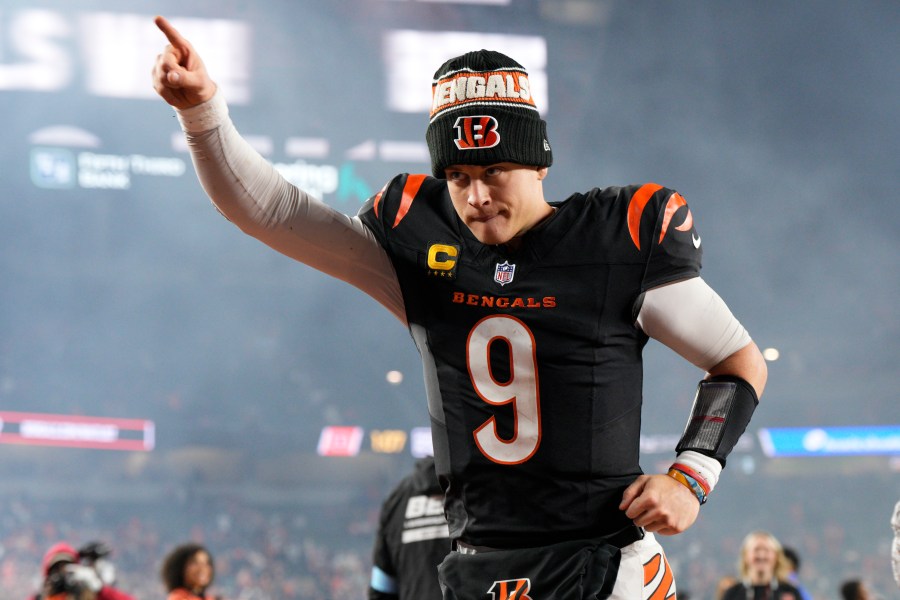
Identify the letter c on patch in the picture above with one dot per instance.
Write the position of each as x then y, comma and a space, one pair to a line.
442, 257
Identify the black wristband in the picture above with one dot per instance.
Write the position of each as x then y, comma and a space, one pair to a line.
721, 412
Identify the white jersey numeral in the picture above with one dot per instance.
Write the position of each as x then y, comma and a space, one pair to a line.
521, 390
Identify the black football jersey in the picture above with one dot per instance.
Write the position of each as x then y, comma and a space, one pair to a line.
532, 360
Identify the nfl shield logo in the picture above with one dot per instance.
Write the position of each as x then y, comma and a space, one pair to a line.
504, 272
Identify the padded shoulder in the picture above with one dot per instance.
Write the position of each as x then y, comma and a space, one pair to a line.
391, 205
660, 222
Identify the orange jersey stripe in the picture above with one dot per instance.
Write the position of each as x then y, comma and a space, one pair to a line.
636, 209
377, 202
413, 183
378, 199
675, 202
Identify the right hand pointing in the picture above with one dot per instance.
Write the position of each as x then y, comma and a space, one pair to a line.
179, 75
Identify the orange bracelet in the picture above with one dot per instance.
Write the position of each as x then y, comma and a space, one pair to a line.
690, 483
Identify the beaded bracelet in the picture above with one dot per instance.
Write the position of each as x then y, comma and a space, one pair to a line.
696, 487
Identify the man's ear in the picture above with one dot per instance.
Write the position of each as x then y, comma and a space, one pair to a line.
542, 172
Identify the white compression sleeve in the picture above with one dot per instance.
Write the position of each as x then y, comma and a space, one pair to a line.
252, 194
691, 319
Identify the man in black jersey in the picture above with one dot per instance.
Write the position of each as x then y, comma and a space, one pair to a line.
530, 317
412, 538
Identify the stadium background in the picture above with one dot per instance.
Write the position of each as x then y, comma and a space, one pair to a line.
163, 376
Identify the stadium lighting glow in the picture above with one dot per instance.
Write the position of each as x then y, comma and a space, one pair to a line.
411, 56
771, 354
394, 377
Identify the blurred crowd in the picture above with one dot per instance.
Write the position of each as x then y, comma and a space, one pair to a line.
292, 552
259, 554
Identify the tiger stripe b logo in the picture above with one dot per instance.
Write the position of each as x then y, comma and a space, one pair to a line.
476, 132
511, 589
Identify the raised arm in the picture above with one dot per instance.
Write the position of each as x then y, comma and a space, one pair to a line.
251, 193
179, 75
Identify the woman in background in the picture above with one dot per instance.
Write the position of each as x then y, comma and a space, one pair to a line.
187, 572
763, 569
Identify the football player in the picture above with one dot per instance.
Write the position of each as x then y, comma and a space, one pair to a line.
412, 538
530, 316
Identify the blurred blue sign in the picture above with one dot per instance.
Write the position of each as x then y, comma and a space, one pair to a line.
830, 441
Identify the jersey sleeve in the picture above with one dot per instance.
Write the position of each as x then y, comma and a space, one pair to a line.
661, 223
385, 211
372, 212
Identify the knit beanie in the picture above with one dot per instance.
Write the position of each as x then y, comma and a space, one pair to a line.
482, 113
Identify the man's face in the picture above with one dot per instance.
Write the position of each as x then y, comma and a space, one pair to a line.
498, 202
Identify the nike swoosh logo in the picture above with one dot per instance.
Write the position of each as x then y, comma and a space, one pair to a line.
696, 239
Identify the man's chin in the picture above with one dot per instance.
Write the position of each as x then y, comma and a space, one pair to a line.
488, 235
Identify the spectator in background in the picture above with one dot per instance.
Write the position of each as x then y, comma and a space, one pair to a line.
187, 572
854, 589
65, 577
53, 567
55, 559
895, 547
763, 570
793, 577
95, 555
723, 585
412, 539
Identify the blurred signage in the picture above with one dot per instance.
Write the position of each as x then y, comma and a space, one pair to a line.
830, 441
388, 441
420, 442
76, 431
61, 168
340, 441
410, 57
347, 440
664, 443
110, 54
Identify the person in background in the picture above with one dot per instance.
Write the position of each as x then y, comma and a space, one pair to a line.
763, 571
854, 589
65, 576
95, 554
793, 559
188, 572
723, 585
57, 561
895, 546
412, 538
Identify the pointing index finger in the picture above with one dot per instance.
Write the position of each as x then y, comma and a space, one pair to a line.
171, 33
